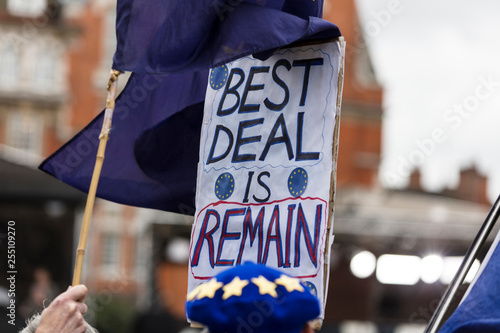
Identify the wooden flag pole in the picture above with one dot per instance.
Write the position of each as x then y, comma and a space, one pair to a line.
89, 206
450, 293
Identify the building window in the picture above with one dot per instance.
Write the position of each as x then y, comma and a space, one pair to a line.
45, 69
26, 7
9, 65
110, 252
24, 132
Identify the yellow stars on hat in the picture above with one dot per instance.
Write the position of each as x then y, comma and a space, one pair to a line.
290, 283
192, 295
265, 286
234, 288
208, 289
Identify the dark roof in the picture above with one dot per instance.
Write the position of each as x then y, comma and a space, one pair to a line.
19, 182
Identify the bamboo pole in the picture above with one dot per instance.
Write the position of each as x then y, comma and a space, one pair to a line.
89, 206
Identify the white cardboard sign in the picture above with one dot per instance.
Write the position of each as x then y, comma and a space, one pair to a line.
266, 162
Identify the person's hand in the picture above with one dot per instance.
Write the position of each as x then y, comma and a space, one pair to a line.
65, 313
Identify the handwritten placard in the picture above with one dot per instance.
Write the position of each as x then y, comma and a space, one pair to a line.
266, 163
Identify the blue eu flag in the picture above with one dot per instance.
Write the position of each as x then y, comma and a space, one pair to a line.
152, 155
480, 308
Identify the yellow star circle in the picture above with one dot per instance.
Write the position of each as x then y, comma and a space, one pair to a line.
209, 288
234, 288
265, 286
289, 283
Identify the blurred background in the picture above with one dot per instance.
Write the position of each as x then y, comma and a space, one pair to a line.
416, 168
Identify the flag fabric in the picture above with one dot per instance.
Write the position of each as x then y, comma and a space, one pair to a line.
479, 310
186, 35
152, 155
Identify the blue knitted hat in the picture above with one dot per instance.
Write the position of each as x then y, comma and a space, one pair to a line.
252, 298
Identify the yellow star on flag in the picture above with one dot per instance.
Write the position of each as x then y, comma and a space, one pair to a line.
234, 288
265, 286
289, 283
209, 288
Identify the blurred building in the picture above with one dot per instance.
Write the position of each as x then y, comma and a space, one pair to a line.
35, 49
394, 251
55, 58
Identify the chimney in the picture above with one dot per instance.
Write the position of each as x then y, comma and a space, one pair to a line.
472, 186
415, 181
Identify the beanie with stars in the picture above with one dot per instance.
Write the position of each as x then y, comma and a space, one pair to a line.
252, 298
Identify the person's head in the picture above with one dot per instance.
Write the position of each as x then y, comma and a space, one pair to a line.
34, 321
42, 275
252, 298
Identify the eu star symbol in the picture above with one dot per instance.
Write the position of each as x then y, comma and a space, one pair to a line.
265, 286
234, 288
297, 182
224, 186
289, 283
218, 77
209, 288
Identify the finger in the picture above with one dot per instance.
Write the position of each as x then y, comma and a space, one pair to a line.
77, 322
83, 322
82, 328
82, 307
77, 293
72, 307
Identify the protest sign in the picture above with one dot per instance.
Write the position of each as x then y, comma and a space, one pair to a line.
267, 165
